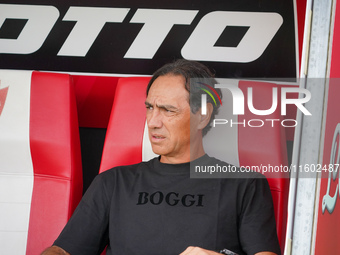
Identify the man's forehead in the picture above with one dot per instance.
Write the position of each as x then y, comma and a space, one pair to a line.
165, 100
168, 86
174, 99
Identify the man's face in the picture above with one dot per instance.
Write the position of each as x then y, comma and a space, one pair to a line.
168, 117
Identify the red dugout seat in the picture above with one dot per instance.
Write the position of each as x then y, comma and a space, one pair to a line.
127, 139
40, 159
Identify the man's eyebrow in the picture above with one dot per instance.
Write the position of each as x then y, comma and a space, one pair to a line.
166, 106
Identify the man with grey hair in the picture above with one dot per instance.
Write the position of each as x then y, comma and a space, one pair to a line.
155, 207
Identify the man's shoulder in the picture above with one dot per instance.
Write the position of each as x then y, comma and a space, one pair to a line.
110, 178
128, 169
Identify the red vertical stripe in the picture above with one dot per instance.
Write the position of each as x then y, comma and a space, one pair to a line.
3, 95
55, 150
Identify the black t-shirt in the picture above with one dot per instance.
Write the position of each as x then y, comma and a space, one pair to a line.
154, 208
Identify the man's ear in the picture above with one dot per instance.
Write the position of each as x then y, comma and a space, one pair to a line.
204, 119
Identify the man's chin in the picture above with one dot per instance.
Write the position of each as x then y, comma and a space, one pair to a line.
156, 149
158, 152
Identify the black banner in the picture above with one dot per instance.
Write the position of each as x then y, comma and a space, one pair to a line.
238, 39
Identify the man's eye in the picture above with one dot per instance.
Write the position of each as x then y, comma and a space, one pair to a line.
170, 111
149, 107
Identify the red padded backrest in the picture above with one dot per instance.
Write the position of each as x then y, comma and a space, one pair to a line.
266, 146
126, 141
124, 136
49, 185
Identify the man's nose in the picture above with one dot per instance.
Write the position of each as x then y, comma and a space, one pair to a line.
154, 119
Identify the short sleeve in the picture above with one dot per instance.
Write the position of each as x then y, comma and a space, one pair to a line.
87, 230
257, 229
